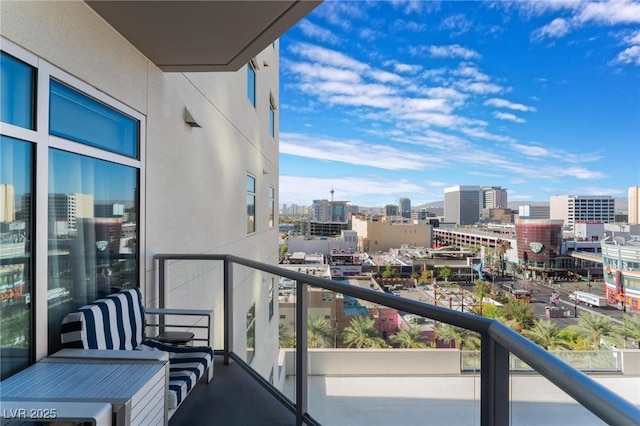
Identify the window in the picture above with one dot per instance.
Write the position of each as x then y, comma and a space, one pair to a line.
251, 82
272, 206
272, 116
251, 204
16, 269
79, 118
18, 92
282, 316
92, 233
92, 203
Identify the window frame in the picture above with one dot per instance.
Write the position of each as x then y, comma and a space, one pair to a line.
43, 142
252, 82
272, 116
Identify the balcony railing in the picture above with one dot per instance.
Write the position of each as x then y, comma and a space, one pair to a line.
497, 343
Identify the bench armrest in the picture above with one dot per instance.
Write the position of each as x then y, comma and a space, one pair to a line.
162, 325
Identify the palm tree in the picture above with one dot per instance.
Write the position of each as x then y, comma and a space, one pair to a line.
595, 328
285, 339
547, 335
318, 334
521, 312
410, 337
361, 333
631, 328
461, 337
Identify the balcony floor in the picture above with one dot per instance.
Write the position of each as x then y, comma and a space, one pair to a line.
232, 398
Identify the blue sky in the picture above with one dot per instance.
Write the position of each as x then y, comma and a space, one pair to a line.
387, 99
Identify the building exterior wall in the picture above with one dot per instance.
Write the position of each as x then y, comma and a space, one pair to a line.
462, 204
382, 235
621, 271
539, 241
404, 207
533, 212
572, 208
494, 197
182, 169
634, 204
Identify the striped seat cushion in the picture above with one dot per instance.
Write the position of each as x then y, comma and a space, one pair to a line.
187, 365
115, 322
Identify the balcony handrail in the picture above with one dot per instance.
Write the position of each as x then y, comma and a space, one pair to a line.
497, 341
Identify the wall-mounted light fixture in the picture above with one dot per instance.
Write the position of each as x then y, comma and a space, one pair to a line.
188, 118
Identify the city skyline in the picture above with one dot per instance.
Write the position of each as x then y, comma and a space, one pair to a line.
397, 99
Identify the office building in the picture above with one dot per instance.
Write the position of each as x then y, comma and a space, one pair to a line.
391, 210
330, 211
462, 204
582, 208
529, 211
7, 203
404, 207
494, 197
385, 233
634, 204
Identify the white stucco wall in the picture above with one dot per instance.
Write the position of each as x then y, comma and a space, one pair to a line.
193, 180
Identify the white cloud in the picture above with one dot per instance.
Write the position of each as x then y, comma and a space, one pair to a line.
610, 13
458, 24
557, 28
401, 24
407, 68
355, 152
452, 51
356, 189
483, 134
508, 117
317, 32
503, 103
328, 57
529, 150
580, 173
481, 87
470, 71
630, 55
311, 72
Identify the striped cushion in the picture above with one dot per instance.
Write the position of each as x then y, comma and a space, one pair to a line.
115, 322
187, 365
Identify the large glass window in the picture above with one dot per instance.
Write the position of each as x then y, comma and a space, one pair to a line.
251, 204
16, 233
79, 118
251, 83
17, 96
93, 214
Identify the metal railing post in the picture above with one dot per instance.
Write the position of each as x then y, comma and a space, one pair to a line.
228, 308
494, 383
161, 292
302, 360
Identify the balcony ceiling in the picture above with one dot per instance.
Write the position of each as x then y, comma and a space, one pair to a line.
188, 36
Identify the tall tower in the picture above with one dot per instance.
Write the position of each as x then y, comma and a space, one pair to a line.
462, 204
404, 207
331, 205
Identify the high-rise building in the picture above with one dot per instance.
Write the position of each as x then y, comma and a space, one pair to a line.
582, 208
462, 204
634, 204
494, 197
330, 211
7, 203
528, 211
391, 210
404, 207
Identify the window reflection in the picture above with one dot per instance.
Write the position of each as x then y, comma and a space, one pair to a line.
93, 209
15, 255
251, 333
